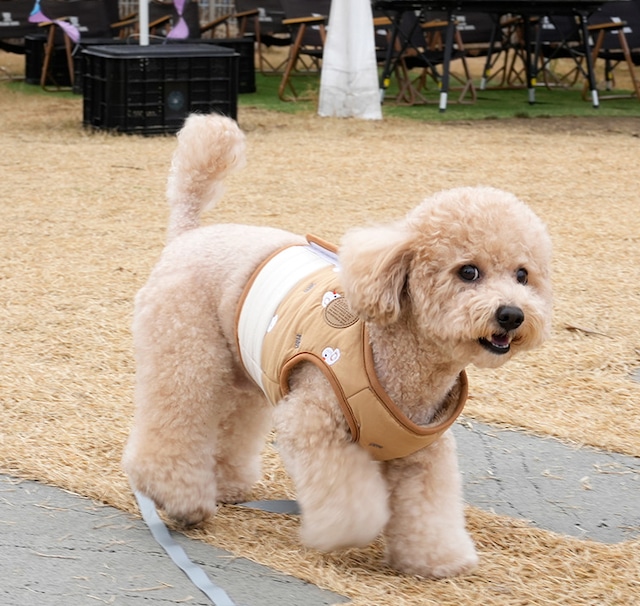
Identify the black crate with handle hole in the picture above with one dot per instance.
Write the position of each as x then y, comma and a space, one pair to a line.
152, 89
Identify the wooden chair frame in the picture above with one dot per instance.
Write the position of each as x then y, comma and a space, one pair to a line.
411, 88
601, 30
297, 53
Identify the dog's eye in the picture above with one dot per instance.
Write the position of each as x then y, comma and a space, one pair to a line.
469, 273
522, 275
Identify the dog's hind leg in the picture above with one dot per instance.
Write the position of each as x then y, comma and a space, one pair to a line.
341, 490
184, 394
241, 441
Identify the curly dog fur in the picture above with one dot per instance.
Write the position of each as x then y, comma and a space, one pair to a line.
463, 279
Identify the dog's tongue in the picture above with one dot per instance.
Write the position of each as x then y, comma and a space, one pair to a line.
500, 340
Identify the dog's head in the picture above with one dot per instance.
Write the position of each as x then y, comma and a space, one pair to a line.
469, 269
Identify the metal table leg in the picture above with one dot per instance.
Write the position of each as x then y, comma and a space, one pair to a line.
589, 59
385, 76
448, 51
529, 67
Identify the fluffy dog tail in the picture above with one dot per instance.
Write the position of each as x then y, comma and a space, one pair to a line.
210, 147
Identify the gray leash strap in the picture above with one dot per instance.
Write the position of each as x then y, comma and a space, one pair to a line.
160, 533
274, 506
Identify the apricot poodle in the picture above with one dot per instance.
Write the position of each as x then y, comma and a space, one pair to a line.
357, 357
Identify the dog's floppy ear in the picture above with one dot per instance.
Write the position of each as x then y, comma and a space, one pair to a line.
374, 267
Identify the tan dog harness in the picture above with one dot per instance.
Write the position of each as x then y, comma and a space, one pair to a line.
293, 310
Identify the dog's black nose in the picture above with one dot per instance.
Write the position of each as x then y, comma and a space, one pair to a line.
509, 317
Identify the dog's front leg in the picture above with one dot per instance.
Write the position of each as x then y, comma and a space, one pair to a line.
426, 533
342, 493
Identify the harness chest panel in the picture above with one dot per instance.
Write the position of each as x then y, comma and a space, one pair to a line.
294, 310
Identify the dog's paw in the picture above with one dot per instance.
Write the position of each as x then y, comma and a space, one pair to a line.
333, 526
437, 563
189, 520
231, 496
184, 515
457, 567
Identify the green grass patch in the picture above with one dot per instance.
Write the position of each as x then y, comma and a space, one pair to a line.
491, 104
20, 86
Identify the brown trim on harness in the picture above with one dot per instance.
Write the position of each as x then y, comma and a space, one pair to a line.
322, 243
398, 415
375, 422
419, 436
333, 380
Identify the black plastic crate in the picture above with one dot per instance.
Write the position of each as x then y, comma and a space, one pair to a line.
79, 68
245, 47
151, 89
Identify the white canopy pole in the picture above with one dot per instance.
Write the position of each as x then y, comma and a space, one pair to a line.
349, 79
143, 22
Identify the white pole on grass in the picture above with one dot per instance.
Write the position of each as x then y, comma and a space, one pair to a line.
143, 22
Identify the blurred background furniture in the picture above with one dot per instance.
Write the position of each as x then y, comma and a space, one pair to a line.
528, 11
420, 46
263, 19
617, 31
90, 20
307, 21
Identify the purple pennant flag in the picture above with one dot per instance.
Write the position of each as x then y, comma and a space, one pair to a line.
37, 16
181, 30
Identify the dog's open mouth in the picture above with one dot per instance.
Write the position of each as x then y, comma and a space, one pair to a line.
498, 344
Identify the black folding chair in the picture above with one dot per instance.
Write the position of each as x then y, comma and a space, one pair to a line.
499, 39
263, 19
617, 31
559, 37
306, 20
420, 45
91, 19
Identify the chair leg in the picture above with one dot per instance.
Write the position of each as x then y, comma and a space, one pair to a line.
48, 54
629, 61
259, 45
48, 57
468, 87
408, 89
608, 74
265, 66
609, 69
467, 83
294, 52
69, 52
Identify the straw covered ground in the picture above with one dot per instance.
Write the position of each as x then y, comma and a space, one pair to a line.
83, 218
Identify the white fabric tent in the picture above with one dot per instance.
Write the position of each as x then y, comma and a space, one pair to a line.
349, 79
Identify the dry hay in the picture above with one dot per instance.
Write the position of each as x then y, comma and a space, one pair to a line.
83, 222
